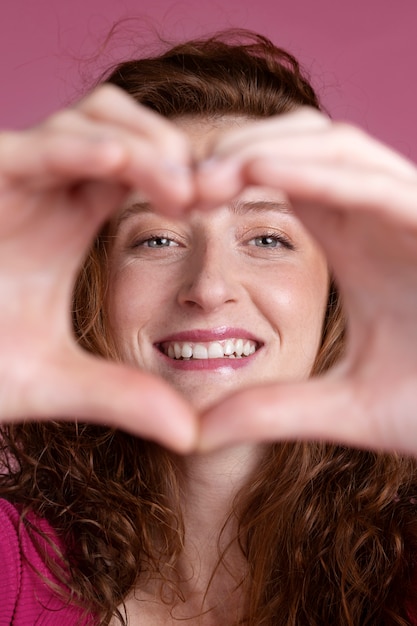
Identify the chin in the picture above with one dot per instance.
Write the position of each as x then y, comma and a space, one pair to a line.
203, 399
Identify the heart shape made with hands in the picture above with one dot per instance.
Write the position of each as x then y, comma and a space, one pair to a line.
62, 180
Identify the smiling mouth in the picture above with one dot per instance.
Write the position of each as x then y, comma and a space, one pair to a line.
228, 348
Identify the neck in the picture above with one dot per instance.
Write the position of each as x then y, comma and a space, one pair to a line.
211, 483
208, 587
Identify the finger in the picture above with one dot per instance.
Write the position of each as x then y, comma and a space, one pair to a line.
112, 106
335, 186
52, 244
219, 177
107, 134
337, 145
248, 133
324, 410
316, 141
39, 160
170, 151
85, 388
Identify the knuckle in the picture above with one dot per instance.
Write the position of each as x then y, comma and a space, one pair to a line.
174, 142
12, 145
344, 141
345, 131
59, 120
313, 114
8, 138
308, 117
102, 95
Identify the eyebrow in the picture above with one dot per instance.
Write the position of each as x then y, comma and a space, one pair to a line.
239, 207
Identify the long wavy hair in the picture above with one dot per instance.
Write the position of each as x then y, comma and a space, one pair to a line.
329, 533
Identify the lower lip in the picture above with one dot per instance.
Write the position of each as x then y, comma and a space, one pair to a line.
208, 364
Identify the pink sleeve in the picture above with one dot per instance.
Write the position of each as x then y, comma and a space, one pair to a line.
25, 598
10, 567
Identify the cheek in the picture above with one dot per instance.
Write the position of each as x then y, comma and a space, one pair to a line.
134, 298
296, 305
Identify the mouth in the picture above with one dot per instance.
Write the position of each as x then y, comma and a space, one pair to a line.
231, 348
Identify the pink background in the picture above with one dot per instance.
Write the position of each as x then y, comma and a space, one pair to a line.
361, 53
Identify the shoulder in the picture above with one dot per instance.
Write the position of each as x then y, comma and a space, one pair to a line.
27, 595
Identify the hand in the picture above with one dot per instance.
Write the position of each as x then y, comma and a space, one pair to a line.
359, 200
58, 183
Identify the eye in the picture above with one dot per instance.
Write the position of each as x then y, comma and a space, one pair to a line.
271, 241
156, 241
266, 242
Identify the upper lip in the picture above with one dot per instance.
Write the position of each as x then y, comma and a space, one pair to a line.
210, 334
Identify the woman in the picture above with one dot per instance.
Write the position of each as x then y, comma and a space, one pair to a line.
236, 294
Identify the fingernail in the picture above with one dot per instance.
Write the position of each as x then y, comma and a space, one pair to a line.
220, 168
207, 164
176, 169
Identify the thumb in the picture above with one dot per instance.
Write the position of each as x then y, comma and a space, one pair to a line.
318, 409
93, 390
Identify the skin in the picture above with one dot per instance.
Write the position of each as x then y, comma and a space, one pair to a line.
217, 272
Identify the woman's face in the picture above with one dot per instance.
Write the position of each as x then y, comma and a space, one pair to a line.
222, 300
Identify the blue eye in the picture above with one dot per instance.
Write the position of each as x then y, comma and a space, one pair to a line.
266, 242
158, 242
271, 242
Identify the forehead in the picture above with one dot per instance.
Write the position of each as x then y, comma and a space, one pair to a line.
203, 131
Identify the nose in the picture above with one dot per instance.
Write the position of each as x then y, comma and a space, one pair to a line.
209, 281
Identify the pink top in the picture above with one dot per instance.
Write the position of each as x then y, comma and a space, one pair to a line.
25, 599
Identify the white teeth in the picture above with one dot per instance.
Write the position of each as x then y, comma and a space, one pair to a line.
230, 348
200, 351
215, 351
187, 351
246, 348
